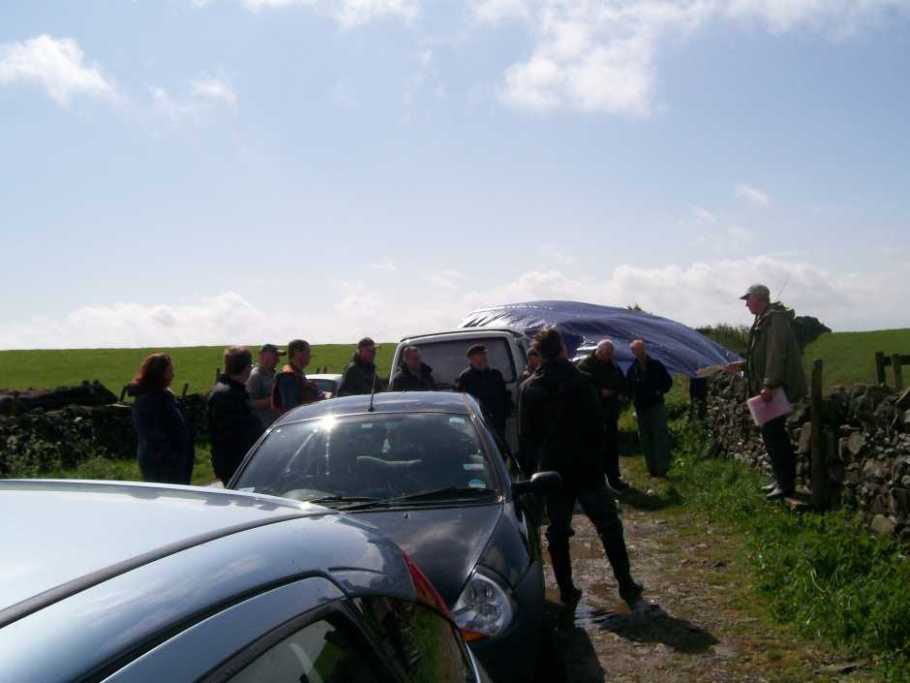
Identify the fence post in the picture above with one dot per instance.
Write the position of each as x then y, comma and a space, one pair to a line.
819, 464
898, 372
880, 367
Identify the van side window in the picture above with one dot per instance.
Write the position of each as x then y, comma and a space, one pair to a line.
447, 358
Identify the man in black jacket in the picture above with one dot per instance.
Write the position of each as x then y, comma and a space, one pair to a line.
233, 426
488, 387
610, 385
360, 375
413, 374
562, 430
648, 382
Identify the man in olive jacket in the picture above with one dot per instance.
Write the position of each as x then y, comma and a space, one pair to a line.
774, 363
610, 383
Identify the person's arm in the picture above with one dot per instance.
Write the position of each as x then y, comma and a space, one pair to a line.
347, 386
779, 332
666, 379
260, 398
288, 391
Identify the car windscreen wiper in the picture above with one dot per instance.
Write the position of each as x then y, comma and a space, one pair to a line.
448, 492
324, 500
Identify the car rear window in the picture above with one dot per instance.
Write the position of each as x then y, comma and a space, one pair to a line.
447, 358
375, 456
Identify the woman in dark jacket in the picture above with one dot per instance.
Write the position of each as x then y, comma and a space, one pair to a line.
165, 452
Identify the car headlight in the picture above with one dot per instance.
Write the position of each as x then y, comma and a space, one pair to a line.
484, 608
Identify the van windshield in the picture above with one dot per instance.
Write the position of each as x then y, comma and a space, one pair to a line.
447, 358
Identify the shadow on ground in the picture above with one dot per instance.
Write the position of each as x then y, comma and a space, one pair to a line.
569, 654
648, 500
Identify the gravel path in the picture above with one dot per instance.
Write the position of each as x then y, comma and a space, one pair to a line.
703, 621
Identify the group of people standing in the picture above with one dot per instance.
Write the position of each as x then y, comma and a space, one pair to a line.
568, 416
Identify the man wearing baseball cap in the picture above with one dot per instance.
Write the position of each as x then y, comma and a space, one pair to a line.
259, 385
360, 375
774, 363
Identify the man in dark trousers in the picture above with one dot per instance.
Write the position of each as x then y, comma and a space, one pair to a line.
648, 382
774, 363
562, 429
610, 384
360, 375
488, 387
233, 425
291, 387
413, 374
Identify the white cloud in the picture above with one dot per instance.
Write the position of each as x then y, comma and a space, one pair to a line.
599, 55
448, 279
347, 13
384, 266
704, 216
56, 64
704, 292
753, 195
202, 96
214, 90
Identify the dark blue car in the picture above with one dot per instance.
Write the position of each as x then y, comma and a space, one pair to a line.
132, 582
425, 469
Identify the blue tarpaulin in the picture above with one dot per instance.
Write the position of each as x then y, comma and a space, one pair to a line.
680, 348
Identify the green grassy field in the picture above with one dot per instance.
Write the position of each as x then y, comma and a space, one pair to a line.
114, 367
849, 357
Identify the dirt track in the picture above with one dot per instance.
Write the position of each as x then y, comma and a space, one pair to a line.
703, 620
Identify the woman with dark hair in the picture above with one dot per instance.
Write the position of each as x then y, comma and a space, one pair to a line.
165, 451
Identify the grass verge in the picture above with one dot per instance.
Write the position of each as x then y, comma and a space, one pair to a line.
824, 574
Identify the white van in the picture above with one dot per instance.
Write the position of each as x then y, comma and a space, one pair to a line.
444, 352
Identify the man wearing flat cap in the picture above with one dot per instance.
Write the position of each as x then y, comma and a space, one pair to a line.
360, 375
488, 387
774, 363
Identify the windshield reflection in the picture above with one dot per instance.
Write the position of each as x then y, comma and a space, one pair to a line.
360, 458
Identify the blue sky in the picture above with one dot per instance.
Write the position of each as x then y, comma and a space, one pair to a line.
181, 172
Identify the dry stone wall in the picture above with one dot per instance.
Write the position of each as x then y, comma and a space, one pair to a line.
865, 438
37, 441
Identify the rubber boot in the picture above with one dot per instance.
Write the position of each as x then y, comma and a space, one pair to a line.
562, 569
618, 556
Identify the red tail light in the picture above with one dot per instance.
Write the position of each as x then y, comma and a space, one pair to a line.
426, 591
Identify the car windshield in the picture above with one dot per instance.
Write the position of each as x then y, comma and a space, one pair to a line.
448, 359
328, 386
358, 459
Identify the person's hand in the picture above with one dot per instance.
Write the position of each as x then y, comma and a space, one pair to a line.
766, 394
732, 368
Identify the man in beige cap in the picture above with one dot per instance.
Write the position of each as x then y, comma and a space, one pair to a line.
774, 363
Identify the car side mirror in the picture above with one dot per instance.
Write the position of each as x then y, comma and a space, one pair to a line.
540, 483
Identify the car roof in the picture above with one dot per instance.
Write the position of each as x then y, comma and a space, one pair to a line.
71, 535
92, 570
325, 375
480, 332
385, 402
